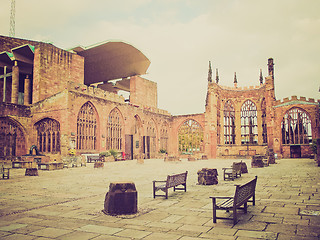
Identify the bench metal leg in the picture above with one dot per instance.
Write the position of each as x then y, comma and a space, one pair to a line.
214, 214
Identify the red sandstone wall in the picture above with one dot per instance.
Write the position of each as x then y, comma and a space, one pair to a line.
143, 92
53, 68
313, 112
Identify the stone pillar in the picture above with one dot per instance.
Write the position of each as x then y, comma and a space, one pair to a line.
27, 83
15, 83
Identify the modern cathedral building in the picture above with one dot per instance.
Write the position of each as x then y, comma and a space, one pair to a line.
62, 100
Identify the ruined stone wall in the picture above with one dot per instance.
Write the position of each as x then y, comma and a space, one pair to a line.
143, 92
281, 107
53, 68
216, 99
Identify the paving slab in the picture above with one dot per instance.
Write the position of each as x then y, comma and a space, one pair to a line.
67, 204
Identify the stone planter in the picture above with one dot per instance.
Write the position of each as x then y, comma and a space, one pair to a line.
122, 198
207, 176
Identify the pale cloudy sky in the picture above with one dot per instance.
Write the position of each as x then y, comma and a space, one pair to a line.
180, 37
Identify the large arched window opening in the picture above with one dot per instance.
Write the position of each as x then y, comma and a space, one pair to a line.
114, 130
296, 127
48, 135
264, 121
229, 123
249, 125
190, 136
12, 139
87, 128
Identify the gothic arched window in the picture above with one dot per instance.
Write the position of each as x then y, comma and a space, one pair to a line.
48, 135
12, 140
114, 130
229, 123
296, 127
264, 121
249, 125
190, 136
87, 127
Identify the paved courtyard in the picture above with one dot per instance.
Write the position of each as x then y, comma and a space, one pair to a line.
67, 204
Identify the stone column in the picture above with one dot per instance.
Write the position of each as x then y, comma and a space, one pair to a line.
27, 82
15, 83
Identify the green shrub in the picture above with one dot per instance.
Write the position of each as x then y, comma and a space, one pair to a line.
104, 154
114, 153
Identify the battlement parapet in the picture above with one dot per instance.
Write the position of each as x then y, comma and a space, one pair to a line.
296, 99
241, 88
96, 92
100, 93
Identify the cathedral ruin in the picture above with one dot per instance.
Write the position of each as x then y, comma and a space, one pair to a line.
65, 100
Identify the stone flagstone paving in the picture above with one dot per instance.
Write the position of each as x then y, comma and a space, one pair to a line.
67, 203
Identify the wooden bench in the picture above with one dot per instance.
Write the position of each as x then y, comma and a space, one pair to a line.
242, 196
5, 172
93, 159
172, 181
232, 172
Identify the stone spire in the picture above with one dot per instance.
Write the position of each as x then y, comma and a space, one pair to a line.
235, 80
210, 73
261, 78
217, 76
270, 67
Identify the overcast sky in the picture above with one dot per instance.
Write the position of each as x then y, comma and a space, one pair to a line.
180, 37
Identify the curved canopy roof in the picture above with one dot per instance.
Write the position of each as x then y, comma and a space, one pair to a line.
112, 60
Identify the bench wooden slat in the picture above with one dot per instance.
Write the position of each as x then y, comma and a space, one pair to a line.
173, 181
242, 196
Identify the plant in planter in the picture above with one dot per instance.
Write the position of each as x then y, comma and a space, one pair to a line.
103, 156
114, 153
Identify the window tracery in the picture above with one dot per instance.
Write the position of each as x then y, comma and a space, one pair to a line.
190, 136
87, 128
264, 121
12, 140
48, 135
249, 125
229, 123
296, 127
114, 130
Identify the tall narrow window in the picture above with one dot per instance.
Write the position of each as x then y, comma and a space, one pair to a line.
249, 126
114, 130
48, 135
264, 121
296, 127
218, 122
87, 128
151, 132
229, 123
190, 136
12, 140
164, 137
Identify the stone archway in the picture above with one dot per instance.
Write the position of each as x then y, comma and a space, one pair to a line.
12, 139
